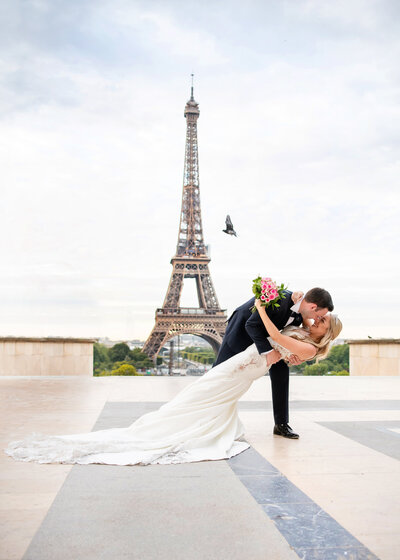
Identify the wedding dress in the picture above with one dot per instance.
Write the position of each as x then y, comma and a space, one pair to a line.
200, 423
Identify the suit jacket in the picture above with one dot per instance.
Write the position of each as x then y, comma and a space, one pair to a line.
245, 327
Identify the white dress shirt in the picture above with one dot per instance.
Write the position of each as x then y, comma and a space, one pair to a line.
295, 308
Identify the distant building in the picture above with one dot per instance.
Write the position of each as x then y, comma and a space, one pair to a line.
192, 340
134, 343
339, 341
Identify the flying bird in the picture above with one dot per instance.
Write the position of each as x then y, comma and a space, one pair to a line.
229, 227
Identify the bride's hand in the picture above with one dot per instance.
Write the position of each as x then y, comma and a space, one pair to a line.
294, 360
272, 357
257, 303
296, 296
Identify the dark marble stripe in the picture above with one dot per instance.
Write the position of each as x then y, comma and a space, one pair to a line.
375, 435
313, 534
136, 409
326, 405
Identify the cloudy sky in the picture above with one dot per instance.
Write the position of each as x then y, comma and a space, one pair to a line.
299, 137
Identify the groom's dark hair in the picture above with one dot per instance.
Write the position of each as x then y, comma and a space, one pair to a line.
321, 297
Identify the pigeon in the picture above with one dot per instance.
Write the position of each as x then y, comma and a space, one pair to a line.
229, 227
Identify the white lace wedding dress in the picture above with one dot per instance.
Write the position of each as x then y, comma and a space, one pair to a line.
199, 423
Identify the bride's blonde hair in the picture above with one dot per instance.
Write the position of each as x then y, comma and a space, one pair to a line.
324, 344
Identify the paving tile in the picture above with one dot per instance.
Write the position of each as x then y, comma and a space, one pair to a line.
143, 515
198, 511
275, 489
326, 405
305, 524
363, 509
250, 462
385, 546
335, 554
377, 435
311, 532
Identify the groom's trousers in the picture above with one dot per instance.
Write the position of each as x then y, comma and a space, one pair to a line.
279, 375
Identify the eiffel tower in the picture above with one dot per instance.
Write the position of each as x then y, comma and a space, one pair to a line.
190, 261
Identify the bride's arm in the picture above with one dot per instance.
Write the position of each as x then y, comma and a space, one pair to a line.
303, 350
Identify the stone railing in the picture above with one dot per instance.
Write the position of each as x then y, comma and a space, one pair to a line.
375, 356
46, 356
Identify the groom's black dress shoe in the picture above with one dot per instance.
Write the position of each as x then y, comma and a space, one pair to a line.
285, 430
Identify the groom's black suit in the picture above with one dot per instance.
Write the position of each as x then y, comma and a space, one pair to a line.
245, 328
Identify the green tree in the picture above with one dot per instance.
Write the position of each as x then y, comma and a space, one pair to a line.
338, 358
139, 359
343, 372
198, 354
336, 361
191, 349
119, 352
100, 353
124, 369
316, 369
101, 359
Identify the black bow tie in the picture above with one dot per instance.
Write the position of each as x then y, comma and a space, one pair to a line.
296, 316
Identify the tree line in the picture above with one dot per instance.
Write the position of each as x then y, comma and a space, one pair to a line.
197, 354
119, 360
336, 363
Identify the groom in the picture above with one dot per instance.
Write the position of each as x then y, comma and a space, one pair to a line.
245, 328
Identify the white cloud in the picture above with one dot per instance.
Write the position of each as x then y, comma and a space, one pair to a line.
198, 46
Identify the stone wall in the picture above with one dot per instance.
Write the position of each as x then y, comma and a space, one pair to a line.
375, 356
46, 356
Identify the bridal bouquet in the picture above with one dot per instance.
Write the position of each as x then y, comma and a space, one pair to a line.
268, 291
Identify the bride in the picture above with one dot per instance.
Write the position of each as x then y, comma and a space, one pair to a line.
199, 423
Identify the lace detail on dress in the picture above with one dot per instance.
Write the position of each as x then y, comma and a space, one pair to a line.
251, 361
53, 449
248, 360
43, 448
282, 351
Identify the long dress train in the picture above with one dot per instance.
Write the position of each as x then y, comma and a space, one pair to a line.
200, 423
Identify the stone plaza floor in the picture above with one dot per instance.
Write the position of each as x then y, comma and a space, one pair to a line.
332, 494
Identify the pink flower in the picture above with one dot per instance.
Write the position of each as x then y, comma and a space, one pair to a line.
267, 290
